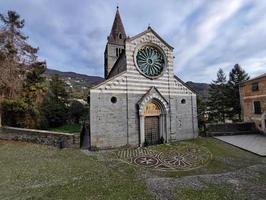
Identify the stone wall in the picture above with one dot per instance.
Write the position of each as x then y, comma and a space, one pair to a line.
184, 123
231, 129
117, 124
40, 137
108, 121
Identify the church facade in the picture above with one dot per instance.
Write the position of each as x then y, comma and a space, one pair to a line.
141, 101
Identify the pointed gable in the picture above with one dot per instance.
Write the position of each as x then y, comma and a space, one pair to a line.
149, 29
118, 34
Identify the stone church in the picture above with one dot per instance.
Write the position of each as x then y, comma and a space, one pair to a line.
141, 102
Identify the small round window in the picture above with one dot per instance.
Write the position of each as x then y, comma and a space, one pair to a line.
183, 101
113, 99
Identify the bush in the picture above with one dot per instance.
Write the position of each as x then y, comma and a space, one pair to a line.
14, 113
76, 111
55, 113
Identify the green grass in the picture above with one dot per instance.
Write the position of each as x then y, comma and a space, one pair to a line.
68, 128
225, 157
212, 192
29, 171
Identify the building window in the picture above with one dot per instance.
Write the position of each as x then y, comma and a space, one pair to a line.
257, 108
255, 87
113, 99
120, 36
116, 52
183, 101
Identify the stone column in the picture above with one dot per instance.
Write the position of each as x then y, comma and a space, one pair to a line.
166, 127
142, 131
162, 127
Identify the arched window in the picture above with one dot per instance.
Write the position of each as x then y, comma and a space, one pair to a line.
119, 35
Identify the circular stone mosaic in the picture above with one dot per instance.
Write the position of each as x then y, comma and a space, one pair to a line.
185, 158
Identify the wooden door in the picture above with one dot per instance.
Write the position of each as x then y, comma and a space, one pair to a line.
152, 134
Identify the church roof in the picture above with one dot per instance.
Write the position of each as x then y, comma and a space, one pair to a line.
149, 29
119, 66
117, 28
107, 80
186, 85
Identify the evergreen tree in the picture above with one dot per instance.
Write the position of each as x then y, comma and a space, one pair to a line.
217, 101
76, 111
202, 111
55, 103
34, 90
236, 76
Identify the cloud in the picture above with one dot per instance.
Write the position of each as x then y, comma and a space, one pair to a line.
207, 35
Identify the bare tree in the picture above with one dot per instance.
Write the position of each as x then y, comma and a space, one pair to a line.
16, 55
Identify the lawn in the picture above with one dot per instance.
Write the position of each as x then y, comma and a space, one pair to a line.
30, 171
39, 172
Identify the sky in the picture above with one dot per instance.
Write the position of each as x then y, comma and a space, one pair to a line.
206, 35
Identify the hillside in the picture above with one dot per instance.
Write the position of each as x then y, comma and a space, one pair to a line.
89, 79
201, 88
78, 84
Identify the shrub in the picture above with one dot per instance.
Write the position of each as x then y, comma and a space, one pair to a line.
76, 111
14, 113
55, 113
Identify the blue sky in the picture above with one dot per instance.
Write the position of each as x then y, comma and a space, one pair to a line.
206, 35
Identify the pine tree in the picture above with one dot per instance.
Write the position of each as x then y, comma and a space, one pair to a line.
236, 76
55, 103
76, 111
34, 91
201, 111
217, 101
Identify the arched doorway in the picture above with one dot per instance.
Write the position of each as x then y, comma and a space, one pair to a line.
152, 114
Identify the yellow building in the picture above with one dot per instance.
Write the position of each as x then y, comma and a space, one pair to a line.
253, 101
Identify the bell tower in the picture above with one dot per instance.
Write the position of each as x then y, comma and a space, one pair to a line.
115, 44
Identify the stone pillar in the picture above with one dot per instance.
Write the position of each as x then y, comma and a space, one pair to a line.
142, 131
162, 127
167, 127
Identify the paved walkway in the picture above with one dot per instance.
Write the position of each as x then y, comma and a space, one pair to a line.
252, 143
185, 157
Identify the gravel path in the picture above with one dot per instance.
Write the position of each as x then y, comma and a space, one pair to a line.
244, 180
